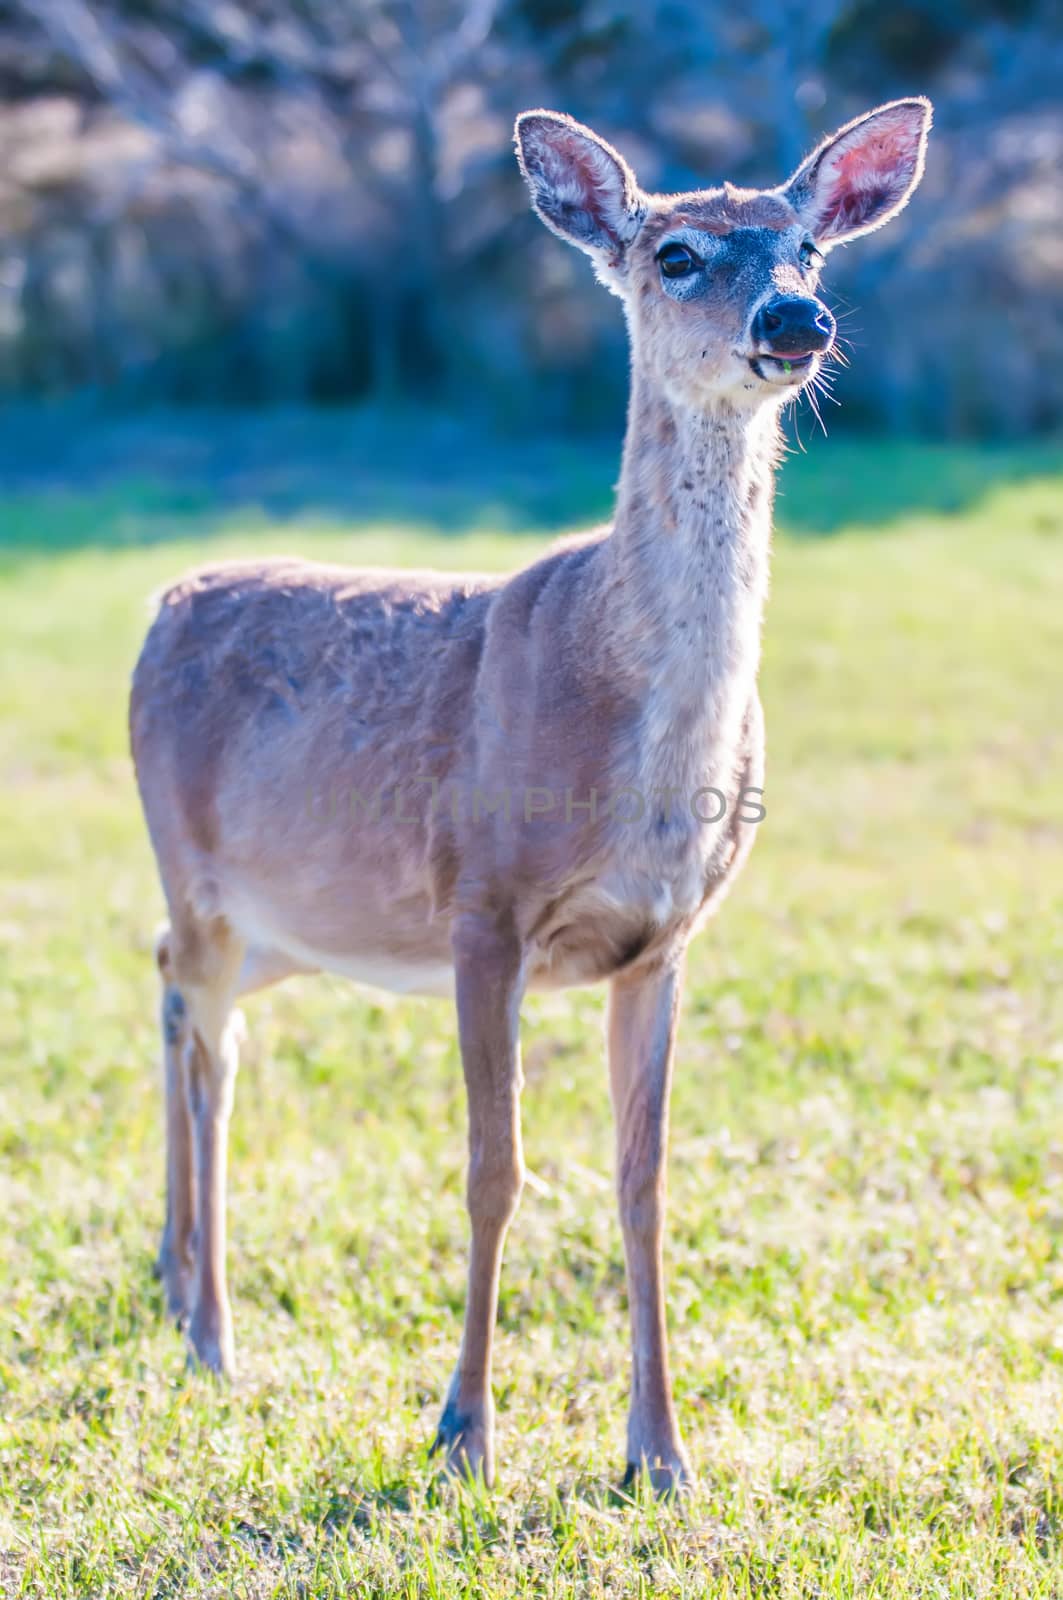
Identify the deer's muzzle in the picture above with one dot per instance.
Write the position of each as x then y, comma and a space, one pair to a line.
792, 327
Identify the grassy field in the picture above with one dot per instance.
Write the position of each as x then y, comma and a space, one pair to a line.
866, 1242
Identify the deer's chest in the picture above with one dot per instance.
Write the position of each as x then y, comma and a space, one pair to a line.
661, 862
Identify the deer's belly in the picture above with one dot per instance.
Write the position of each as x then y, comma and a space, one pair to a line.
405, 952
378, 970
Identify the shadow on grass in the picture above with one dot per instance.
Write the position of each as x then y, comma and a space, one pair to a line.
73, 477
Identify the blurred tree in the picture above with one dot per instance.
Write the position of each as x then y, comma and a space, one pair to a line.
276, 199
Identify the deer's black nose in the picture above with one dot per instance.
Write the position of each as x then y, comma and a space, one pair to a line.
790, 325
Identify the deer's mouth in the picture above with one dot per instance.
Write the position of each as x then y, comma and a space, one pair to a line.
783, 370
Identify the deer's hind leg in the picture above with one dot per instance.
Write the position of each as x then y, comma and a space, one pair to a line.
200, 962
174, 1262
177, 1252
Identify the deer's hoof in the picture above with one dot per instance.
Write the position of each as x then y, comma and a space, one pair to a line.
212, 1348
464, 1440
667, 1473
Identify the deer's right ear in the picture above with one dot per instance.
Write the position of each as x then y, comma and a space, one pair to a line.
581, 188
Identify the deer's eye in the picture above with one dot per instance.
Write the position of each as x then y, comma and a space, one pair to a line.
809, 254
676, 261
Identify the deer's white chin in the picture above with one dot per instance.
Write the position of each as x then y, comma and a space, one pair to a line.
784, 372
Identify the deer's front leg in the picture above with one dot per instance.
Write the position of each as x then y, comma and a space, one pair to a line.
642, 1020
488, 969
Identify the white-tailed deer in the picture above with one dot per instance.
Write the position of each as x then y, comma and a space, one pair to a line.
486, 785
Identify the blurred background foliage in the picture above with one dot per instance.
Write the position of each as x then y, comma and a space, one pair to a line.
316, 201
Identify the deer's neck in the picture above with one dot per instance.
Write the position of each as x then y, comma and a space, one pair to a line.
689, 557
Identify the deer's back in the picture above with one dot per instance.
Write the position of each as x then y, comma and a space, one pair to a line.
283, 638
276, 705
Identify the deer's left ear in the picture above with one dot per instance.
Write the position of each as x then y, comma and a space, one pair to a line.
863, 175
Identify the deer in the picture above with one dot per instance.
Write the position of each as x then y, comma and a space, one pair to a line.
482, 786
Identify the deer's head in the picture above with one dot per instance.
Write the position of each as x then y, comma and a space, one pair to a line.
720, 285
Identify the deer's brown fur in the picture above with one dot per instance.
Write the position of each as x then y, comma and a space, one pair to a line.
484, 785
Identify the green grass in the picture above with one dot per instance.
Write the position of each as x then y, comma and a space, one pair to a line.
866, 1226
